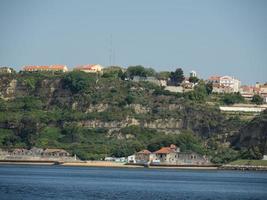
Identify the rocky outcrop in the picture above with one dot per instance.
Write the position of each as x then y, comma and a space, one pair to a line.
110, 124
170, 123
139, 109
96, 108
165, 125
8, 88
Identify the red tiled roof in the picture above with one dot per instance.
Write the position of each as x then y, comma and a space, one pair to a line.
214, 78
165, 150
44, 67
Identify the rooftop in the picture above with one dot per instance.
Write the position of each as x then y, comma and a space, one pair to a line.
145, 151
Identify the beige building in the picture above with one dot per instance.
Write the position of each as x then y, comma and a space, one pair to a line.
143, 156
231, 82
167, 155
5, 70
90, 68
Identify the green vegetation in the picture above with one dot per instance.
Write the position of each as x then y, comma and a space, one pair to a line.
199, 94
139, 70
232, 98
177, 76
249, 162
95, 116
78, 81
193, 79
257, 99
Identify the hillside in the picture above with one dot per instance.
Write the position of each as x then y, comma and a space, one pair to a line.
252, 137
95, 116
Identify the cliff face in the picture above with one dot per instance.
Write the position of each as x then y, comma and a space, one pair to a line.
164, 113
253, 135
94, 116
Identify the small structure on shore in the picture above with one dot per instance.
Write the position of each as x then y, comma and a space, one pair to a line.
131, 159
143, 156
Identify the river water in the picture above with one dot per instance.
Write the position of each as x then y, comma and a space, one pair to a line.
59, 182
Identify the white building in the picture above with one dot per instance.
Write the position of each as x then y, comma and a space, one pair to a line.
224, 84
231, 82
131, 159
193, 73
91, 68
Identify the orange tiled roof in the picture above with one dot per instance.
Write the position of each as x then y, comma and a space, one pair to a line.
44, 67
214, 78
165, 150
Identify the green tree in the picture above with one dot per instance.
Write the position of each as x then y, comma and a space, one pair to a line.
177, 77
72, 133
251, 153
199, 93
3, 106
138, 70
129, 99
112, 71
28, 130
209, 88
257, 99
232, 98
164, 75
193, 79
150, 72
78, 81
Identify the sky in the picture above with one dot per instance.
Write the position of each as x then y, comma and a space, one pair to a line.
212, 37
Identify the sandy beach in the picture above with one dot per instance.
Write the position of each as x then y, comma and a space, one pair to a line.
100, 164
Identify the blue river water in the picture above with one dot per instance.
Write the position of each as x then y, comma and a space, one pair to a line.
59, 182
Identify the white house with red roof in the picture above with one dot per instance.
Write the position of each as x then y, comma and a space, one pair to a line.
169, 156
249, 91
89, 68
224, 84
143, 156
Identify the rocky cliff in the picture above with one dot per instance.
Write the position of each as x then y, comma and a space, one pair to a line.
75, 110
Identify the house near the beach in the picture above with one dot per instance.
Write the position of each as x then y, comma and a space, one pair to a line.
143, 156
167, 155
170, 156
55, 153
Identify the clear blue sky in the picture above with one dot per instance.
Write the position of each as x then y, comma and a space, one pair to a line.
226, 37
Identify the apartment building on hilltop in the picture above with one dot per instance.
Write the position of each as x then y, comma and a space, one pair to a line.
224, 84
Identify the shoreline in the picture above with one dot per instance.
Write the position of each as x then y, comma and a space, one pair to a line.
103, 164
108, 164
